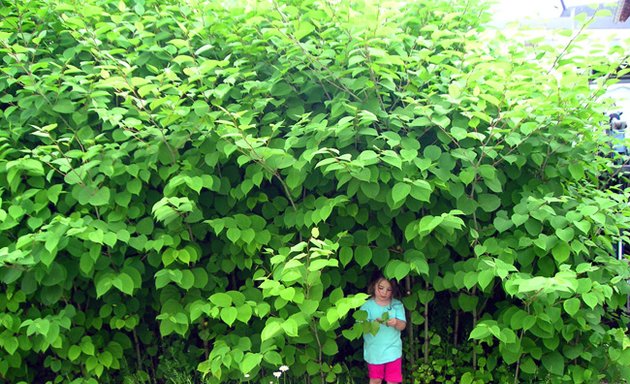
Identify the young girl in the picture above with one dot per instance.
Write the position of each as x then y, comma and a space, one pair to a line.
383, 351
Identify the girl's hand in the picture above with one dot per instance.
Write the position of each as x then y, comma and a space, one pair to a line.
392, 322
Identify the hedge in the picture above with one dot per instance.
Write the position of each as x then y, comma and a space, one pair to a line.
203, 190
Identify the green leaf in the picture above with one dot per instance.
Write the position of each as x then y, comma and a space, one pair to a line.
417, 262
304, 29
234, 234
421, 190
485, 278
400, 192
244, 313
576, 170
467, 378
479, 332
74, 352
590, 299
87, 347
392, 158
345, 255
467, 303
64, 106
228, 315
10, 344
104, 282
271, 329
433, 152
124, 283
221, 299
584, 226
565, 234
250, 361
91, 363
187, 280
308, 307
502, 224
200, 108
554, 363
571, 306
518, 219
489, 202
362, 255
290, 327
428, 223
561, 252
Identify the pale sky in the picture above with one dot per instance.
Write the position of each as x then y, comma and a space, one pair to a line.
512, 10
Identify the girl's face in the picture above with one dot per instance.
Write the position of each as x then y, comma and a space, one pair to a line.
383, 291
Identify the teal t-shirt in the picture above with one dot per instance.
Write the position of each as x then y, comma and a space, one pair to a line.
386, 345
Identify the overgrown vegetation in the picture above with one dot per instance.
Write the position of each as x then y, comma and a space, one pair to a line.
188, 179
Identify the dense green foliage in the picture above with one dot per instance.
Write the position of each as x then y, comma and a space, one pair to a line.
185, 178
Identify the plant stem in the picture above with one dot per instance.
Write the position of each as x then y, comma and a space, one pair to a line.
456, 328
138, 355
410, 337
426, 327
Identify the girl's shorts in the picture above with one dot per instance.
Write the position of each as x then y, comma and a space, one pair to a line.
390, 372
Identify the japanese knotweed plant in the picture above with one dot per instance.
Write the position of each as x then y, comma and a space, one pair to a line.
229, 176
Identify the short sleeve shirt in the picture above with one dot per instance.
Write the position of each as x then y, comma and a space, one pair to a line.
386, 345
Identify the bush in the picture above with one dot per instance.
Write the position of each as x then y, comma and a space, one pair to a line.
184, 177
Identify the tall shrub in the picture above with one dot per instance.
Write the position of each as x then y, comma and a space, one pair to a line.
184, 177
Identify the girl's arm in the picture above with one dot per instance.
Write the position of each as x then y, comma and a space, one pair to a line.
397, 323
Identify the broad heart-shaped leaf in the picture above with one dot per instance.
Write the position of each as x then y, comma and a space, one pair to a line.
502, 224
400, 191
87, 194
421, 190
271, 329
554, 363
362, 255
303, 30
428, 224
221, 299
290, 327
244, 313
590, 299
519, 219
565, 234
345, 255
583, 226
74, 352
100, 197
561, 252
124, 283
571, 306
250, 361
10, 344
234, 234
484, 278
489, 202
419, 265
467, 303
64, 106
104, 281
397, 269
576, 170
228, 315
481, 331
